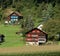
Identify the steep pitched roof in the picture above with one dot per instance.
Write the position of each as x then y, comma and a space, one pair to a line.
16, 13
37, 29
10, 11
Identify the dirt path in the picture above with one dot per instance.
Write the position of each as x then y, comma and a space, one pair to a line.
30, 49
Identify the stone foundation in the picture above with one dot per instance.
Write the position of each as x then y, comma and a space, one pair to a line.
32, 43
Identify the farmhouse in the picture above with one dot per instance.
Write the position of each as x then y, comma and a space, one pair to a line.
14, 17
36, 37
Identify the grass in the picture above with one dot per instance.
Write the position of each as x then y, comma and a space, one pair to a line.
35, 54
30, 49
11, 38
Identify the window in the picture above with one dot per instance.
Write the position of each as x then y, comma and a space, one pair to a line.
34, 35
42, 39
14, 17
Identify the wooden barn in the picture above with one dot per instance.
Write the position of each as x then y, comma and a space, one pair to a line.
14, 17
36, 37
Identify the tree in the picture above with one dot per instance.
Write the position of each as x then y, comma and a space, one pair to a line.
52, 27
56, 11
47, 12
28, 24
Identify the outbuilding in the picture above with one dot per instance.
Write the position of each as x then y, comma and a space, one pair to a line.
36, 37
14, 17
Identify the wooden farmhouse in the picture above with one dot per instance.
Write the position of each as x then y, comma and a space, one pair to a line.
14, 17
36, 37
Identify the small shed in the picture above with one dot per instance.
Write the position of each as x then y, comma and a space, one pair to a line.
36, 37
14, 17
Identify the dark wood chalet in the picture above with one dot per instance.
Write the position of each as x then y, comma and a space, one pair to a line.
14, 17
36, 37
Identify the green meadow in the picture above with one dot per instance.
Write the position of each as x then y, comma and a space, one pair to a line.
11, 38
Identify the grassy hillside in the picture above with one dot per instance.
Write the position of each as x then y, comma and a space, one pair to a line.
40, 11
11, 38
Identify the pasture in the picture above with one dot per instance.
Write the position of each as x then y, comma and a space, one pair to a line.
11, 38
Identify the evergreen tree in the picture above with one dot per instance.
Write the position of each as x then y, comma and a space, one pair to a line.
56, 11
29, 23
47, 12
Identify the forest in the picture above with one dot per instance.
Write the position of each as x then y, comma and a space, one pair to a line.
35, 12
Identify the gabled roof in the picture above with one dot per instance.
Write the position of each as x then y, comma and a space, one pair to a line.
37, 29
16, 13
10, 11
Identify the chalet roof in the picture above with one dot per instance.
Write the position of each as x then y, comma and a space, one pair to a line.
37, 29
16, 13
8, 12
